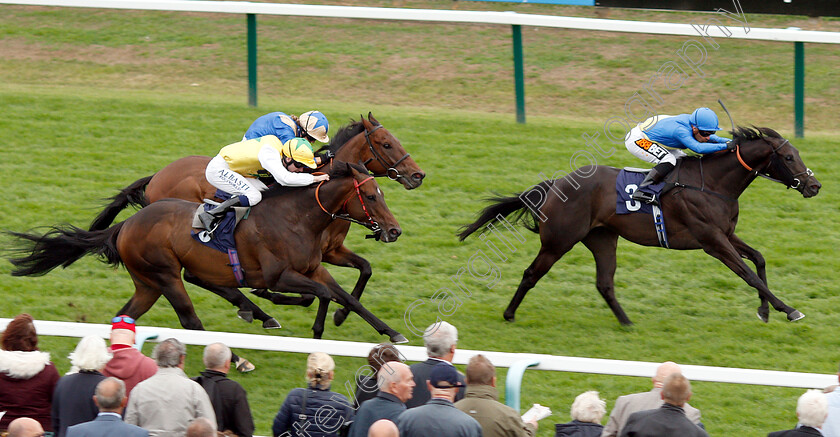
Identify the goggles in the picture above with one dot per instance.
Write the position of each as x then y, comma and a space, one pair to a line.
125, 319
294, 163
706, 133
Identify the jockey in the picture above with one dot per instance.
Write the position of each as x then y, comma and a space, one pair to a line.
237, 166
311, 126
664, 138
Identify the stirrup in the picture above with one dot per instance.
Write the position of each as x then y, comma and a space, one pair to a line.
644, 197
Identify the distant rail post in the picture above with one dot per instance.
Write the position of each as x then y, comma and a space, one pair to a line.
518, 73
252, 60
799, 89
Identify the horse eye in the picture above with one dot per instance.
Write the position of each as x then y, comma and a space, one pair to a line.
789, 158
387, 145
371, 197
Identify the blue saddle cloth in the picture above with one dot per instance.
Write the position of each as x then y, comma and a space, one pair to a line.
223, 235
625, 183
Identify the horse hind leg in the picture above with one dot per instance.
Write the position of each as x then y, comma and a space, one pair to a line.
603, 243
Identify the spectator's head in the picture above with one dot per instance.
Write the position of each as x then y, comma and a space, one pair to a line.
443, 381
123, 330
110, 395
440, 340
588, 407
319, 369
480, 371
383, 428
812, 408
90, 354
396, 378
676, 389
201, 427
664, 370
170, 353
20, 334
382, 353
217, 357
25, 427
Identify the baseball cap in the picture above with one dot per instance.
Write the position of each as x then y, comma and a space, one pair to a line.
123, 322
444, 376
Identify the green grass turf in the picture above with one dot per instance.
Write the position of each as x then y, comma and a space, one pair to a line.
92, 100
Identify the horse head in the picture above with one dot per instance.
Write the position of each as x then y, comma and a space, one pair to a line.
365, 203
367, 142
765, 152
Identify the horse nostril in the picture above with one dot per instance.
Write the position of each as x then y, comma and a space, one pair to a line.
396, 232
418, 176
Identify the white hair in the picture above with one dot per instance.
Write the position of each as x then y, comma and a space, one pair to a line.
812, 408
439, 339
216, 355
90, 354
588, 407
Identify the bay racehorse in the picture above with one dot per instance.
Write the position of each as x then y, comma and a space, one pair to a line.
365, 141
279, 247
700, 211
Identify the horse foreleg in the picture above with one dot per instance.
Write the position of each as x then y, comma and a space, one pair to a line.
758, 260
721, 248
603, 243
538, 268
345, 257
247, 309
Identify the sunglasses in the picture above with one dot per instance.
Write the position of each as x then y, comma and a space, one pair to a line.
706, 133
125, 319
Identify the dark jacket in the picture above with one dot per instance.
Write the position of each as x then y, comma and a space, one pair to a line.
437, 418
802, 431
383, 406
421, 393
366, 388
335, 413
73, 400
665, 421
230, 403
577, 428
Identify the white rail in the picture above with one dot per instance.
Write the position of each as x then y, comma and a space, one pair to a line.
414, 353
484, 17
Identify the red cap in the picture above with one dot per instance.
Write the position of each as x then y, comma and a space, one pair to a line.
123, 322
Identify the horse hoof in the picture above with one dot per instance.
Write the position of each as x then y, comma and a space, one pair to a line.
509, 317
398, 339
339, 317
764, 318
244, 365
246, 315
271, 324
795, 315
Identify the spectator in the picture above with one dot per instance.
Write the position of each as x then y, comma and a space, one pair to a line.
201, 427
128, 364
27, 377
831, 427
383, 428
587, 411
165, 404
73, 396
314, 411
366, 386
811, 409
230, 402
25, 427
669, 419
439, 417
110, 398
482, 403
629, 404
440, 340
395, 387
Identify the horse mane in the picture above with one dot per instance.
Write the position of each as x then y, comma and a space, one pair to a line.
338, 169
343, 135
741, 133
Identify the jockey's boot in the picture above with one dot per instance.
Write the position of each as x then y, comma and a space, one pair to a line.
208, 217
656, 175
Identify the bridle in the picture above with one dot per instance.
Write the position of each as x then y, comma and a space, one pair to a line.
371, 223
391, 170
795, 181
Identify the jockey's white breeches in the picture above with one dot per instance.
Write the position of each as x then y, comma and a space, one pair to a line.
641, 147
220, 175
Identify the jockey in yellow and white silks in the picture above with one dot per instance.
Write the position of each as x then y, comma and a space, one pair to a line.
236, 169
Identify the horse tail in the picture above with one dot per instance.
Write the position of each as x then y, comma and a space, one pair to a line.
62, 246
503, 207
134, 195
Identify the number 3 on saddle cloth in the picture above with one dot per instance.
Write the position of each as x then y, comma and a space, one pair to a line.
221, 238
626, 183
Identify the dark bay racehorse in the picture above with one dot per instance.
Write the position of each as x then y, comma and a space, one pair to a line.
364, 141
279, 247
700, 212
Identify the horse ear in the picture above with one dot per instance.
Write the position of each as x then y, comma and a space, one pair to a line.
365, 122
373, 120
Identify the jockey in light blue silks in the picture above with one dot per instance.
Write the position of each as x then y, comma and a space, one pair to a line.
312, 126
664, 138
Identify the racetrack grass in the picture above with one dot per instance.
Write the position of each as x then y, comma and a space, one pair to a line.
97, 126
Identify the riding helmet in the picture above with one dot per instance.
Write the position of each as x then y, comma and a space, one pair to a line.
704, 119
314, 124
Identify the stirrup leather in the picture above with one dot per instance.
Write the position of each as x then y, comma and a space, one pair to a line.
644, 197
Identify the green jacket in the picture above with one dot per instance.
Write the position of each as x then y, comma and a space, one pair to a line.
496, 419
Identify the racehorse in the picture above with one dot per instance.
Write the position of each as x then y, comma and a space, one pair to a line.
364, 141
279, 247
700, 211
